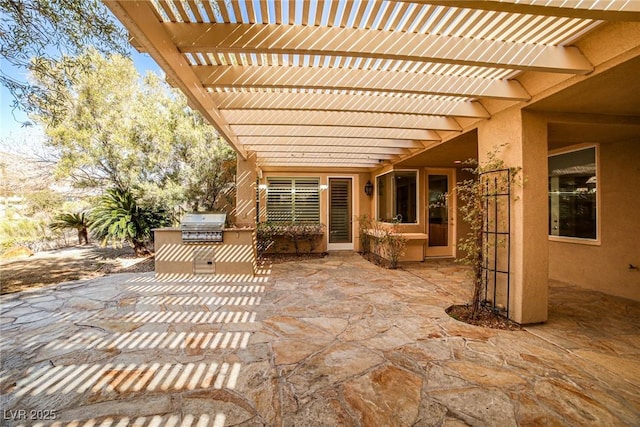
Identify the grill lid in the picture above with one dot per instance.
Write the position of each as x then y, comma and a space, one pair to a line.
203, 221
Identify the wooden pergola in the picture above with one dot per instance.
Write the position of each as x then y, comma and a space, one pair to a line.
357, 84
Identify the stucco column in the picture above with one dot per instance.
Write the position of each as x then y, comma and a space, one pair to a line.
246, 175
526, 137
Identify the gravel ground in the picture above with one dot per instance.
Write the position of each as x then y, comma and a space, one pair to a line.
72, 263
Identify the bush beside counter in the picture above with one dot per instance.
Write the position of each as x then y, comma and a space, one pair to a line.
413, 251
235, 255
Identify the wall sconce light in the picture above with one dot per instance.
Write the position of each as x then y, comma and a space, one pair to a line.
263, 186
324, 187
368, 189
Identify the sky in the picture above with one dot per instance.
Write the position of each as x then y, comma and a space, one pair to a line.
14, 137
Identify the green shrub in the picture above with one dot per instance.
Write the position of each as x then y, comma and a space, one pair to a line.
117, 217
22, 232
393, 245
78, 221
384, 242
365, 223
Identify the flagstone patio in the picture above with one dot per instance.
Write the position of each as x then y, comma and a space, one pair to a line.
332, 341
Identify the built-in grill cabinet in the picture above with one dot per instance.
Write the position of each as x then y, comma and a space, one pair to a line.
202, 227
202, 245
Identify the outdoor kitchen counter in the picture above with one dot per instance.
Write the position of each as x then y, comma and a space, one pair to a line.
235, 255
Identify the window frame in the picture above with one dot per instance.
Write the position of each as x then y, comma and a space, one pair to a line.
394, 195
292, 202
581, 240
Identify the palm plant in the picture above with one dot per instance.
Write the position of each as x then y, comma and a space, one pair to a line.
118, 218
75, 220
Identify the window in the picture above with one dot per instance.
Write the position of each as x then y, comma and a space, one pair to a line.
293, 200
397, 196
573, 194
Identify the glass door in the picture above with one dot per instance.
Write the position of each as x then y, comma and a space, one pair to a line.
440, 213
340, 214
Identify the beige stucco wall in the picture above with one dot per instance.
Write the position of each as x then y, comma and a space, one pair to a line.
605, 267
365, 204
462, 228
246, 176
526, 137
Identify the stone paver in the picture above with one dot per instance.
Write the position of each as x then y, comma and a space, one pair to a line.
333, 341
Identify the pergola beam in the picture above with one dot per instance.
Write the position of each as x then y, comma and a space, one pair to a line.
341, 119
313, 167
330, 149
327, 142
346, 102
326, 156
599, 10
333, 131
344, 163
283, 77
350, 42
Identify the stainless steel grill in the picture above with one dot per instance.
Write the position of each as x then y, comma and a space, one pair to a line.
202, 227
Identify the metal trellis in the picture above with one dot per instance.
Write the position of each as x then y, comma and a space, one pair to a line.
496, 240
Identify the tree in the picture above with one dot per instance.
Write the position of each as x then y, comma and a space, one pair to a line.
42, 203
209, 169
117, 217
32, 31
76, 220
137, 135
101, 130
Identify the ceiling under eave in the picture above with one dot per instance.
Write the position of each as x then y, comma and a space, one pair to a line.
356, 84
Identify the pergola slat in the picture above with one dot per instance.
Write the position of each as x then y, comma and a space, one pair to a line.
165, 7
221, 6
236, 10
250, 13
181, 11
605, 10
354, 79
293, 39
196, 12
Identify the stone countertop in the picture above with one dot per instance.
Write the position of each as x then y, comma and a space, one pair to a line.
224, 229
408, 236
